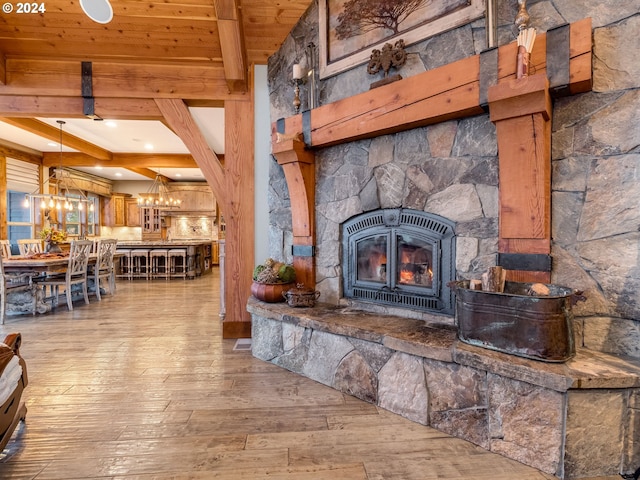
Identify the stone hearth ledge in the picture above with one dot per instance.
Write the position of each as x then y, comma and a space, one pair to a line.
575, 419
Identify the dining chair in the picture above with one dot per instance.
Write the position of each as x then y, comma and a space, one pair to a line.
6, 248
29, 246
75, 274
104, 267
13, 283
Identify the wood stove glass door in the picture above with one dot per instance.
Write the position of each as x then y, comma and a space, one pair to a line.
371, 258
415, 261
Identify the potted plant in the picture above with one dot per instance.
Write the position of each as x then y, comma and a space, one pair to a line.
271, 280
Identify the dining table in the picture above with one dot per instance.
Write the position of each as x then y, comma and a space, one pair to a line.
36, 265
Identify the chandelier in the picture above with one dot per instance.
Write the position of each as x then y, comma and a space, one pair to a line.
158, 196
69, 196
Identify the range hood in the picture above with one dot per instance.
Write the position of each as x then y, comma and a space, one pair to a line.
187, 213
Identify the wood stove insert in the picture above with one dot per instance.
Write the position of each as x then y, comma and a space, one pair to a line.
400, 257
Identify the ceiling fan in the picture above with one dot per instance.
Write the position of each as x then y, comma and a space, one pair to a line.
99, 11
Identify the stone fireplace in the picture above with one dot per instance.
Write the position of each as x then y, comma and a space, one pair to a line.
449, 168
399, 257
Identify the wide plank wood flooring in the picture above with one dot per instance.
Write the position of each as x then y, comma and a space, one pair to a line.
142, 386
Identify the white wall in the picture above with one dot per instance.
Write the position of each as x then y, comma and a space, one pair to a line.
133, 187
262, 157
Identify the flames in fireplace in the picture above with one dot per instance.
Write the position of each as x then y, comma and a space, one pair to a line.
400, 257
414, 266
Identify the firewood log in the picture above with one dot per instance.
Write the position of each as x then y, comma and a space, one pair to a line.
493, 279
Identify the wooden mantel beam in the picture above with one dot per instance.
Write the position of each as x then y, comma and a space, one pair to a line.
444, 93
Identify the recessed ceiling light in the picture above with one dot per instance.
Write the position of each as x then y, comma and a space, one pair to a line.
148, 146
118, 174
98, 167
52, 144
178, 174
111, 124
99, 11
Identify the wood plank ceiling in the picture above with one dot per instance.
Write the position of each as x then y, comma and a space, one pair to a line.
200, 51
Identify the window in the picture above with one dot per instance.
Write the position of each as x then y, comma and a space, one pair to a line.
22, 177
80, 223
19, 222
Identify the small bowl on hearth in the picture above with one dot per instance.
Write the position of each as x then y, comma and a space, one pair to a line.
300, 296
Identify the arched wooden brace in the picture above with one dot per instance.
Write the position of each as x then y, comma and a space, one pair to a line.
298, 164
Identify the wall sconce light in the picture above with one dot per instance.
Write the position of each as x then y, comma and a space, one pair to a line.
306, 72
298, 79
311, 54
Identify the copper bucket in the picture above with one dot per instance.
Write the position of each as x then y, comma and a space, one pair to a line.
515, 322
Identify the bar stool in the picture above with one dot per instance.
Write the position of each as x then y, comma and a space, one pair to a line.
174, 255
139, 263
159, 269
124, 257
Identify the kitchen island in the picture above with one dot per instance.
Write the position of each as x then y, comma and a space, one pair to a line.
199, 252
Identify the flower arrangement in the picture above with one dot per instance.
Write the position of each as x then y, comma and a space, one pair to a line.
272, 271
53, 235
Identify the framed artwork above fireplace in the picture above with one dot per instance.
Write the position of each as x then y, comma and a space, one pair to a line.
350, 29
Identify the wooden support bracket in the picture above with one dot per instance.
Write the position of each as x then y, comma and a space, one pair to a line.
521, 110
298, 164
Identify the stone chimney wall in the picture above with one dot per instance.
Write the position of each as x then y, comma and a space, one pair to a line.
451, 168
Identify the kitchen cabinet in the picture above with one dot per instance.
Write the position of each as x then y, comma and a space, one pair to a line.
215, 253
114, 213
132, 212
194, 197
151, 223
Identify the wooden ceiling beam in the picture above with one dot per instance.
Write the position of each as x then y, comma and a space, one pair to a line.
144, 172
40, 106
234, 55
179, 119
19, 153
123, 160
112, 79
52, 133
28, 106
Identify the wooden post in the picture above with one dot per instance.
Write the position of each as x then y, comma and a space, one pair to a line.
233, 187
239, 216
4, 230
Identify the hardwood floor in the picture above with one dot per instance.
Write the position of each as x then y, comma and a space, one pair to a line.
142, 386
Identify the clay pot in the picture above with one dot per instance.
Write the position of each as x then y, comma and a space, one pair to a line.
270, 292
